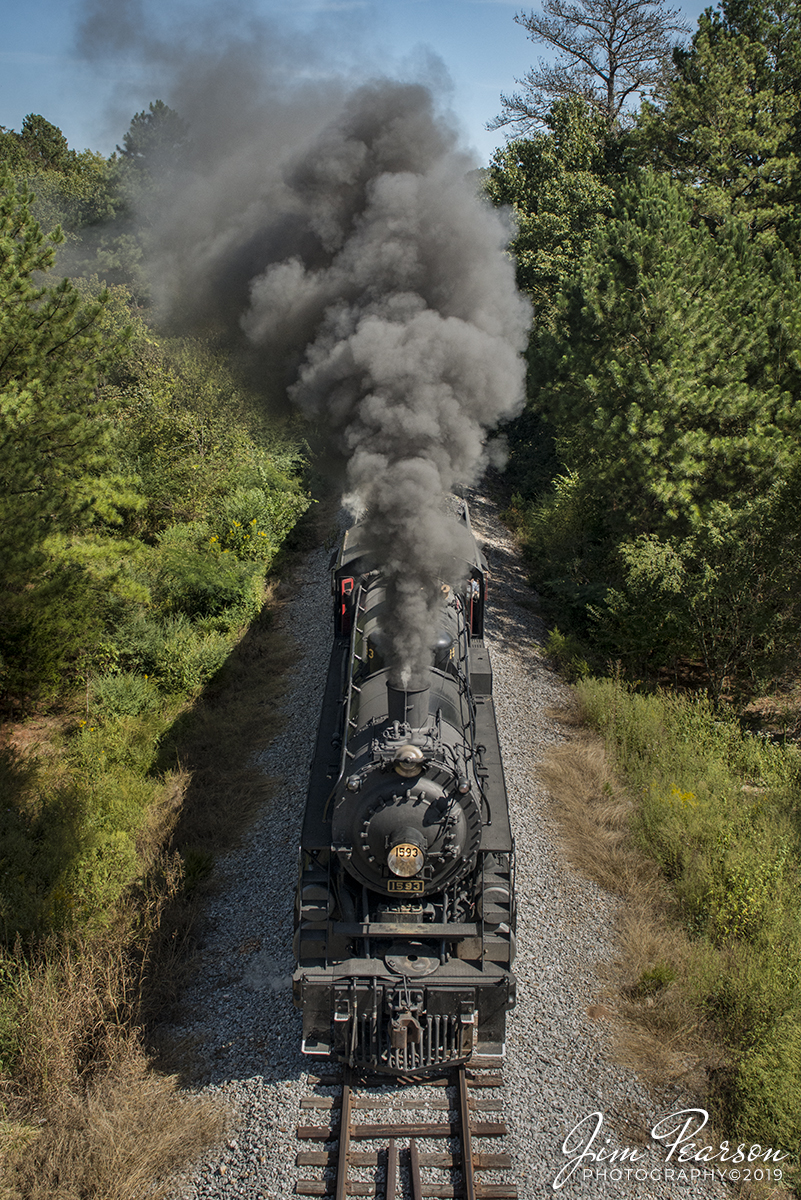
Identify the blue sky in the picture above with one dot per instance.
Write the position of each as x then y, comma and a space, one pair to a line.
46, 67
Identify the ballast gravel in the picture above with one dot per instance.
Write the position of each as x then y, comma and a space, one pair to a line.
240, 1034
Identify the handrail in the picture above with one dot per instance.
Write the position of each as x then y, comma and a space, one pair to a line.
346, 720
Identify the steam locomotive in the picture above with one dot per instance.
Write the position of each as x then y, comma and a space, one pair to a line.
405, 912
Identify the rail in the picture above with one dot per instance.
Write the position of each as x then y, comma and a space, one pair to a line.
397, 1169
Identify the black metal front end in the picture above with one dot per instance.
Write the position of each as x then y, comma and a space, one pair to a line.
400, 1026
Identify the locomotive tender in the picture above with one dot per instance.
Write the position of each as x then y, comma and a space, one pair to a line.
405, 912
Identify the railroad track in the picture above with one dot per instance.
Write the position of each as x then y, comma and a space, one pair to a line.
449, 1094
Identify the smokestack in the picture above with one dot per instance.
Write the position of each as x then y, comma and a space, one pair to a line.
409, 705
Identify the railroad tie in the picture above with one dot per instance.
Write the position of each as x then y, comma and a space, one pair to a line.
460, 1161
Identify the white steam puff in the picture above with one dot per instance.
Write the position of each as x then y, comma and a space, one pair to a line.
409, 328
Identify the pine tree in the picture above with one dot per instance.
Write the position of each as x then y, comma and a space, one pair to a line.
157, 141
607, 53
729, 125
674, 379
52, 353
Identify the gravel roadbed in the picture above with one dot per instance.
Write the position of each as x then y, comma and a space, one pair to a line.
241, 1033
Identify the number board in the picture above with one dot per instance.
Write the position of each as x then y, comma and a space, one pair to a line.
405, 885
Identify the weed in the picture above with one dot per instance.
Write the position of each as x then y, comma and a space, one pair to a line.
254, 522
567, 652
198, 865
124, 694
653, 980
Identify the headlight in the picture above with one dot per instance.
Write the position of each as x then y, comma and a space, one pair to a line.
406, 859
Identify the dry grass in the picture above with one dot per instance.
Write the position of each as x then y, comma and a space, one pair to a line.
647, 991
121, 1139
593, 811
85, 1112
89, 1116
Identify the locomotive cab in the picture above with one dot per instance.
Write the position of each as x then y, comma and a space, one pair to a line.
352, 561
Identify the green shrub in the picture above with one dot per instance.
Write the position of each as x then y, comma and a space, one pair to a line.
561, 530
566, 650
40, 835
105, 742
171, 650
111, 761
99, 876
207, 583
253, 522
47, 629
763, 1099
124, 694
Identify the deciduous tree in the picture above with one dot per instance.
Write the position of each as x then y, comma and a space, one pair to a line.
607, 53
71, 190
714, 596
558, 185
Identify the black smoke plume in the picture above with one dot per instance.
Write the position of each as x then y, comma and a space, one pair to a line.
411, 332
339, 228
